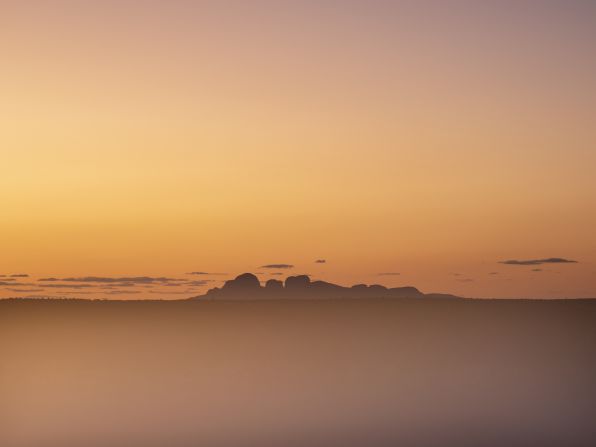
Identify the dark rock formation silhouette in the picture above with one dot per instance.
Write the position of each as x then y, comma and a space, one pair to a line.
274, 285
248, 287
247, 283
297, 283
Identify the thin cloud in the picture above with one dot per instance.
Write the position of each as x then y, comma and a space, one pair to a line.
205, 273
389, 274
116, 285
539, 261
19, 275
45, 297
200, 282
321, 261
537, 270
24, 290
121, 280
121, 292
277, 266
170, 292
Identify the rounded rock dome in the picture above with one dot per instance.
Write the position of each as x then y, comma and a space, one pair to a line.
244, 282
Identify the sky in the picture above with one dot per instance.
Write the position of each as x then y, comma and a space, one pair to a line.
432, 140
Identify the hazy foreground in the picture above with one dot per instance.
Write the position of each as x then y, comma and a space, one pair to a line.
297, 373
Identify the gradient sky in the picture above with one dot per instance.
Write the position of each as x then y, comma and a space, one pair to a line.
429, 138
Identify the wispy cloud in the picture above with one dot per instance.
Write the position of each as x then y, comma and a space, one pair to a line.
19, 275
121, 280
205, 273
196, 283
24, 290
538, 261
46, 297
121, 292
389, 274
171, 292
321, 261
277, 266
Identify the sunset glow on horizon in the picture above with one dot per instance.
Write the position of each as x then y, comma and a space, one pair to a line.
404, 143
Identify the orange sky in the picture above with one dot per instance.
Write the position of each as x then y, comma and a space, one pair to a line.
159, 138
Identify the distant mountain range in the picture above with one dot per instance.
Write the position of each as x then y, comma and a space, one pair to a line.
248, 287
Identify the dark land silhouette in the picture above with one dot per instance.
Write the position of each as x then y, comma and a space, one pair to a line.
372, 372
248, 287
